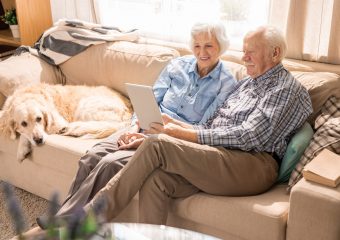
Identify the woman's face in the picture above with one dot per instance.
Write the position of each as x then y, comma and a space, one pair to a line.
207, 52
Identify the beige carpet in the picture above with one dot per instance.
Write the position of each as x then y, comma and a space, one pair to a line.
32, 207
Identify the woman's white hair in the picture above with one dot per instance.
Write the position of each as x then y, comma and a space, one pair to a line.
214, 28
275, 38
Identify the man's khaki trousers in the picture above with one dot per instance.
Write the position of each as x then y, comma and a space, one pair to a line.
164, 168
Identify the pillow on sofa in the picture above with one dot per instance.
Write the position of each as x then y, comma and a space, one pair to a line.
24, 70
297, 145
326, 136
115, 63
236, 69
320, 85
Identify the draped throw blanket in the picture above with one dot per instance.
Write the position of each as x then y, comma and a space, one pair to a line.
327, 135
67, 38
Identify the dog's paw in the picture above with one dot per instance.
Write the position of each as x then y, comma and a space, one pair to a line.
62, 131
75, 129
24, 149
23, 154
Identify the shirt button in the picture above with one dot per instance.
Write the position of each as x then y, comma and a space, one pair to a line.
196, 85
189, 95
181, 106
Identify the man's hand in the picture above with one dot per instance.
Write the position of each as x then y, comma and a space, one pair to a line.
174, 130
169, 129
130, 140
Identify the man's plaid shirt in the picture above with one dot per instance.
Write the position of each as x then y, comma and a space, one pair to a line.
260, 115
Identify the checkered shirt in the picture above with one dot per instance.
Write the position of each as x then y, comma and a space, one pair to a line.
260, 115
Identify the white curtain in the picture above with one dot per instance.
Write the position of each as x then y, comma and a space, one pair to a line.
73, 9
171, 20
312, 28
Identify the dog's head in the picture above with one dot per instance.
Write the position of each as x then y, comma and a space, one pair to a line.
28, 118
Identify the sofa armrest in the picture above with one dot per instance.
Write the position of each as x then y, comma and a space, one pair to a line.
23, 70
314, 212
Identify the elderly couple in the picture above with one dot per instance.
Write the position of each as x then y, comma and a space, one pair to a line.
219, 136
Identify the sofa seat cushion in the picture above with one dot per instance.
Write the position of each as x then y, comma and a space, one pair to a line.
51, 167
115, 63
262, 216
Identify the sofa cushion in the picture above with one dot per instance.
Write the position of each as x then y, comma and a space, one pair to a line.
295, 149
239, 71
242, 217
320, 85
51, 167
115, 63
24, 70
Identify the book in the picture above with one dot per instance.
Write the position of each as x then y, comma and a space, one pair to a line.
324, 169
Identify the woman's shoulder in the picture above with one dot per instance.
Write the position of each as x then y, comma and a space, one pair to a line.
185, 59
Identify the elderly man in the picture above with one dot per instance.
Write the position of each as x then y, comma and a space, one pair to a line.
236, 152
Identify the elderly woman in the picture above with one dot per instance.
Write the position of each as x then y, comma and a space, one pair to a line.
189, 89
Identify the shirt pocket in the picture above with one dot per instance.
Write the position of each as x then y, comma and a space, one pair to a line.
202, 102
174, 93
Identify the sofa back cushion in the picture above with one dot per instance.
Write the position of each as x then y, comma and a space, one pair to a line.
321, 86
116, 63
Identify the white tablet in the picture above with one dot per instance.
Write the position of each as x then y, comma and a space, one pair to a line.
144, 104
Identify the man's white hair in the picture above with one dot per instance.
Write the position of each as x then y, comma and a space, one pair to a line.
214, 28
275, 38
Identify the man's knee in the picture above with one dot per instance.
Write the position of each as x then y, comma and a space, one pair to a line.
157, 182
158, 139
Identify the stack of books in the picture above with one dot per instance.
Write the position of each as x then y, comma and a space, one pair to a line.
6, 51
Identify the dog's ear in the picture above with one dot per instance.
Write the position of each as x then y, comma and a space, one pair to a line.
7, 124
12, 129
48, 120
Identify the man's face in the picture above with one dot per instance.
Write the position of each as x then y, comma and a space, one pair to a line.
256, 55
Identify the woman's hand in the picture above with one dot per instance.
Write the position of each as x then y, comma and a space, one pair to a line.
130, 140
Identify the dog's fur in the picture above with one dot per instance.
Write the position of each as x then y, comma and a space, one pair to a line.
36, 111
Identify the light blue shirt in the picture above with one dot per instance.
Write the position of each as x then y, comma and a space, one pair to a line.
182, 94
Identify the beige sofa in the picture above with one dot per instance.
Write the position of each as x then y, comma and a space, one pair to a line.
310, 211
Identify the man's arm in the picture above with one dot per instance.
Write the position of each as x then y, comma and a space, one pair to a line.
182, 131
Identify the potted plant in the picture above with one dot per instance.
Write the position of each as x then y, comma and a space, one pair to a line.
10, 18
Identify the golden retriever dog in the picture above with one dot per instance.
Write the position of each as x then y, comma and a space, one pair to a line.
36, 111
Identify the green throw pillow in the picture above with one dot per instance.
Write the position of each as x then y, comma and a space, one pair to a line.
295, 149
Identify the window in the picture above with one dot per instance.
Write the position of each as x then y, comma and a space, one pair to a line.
171, 20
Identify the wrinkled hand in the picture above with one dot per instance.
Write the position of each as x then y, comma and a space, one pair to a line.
169, 129
167, 119
130, 140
